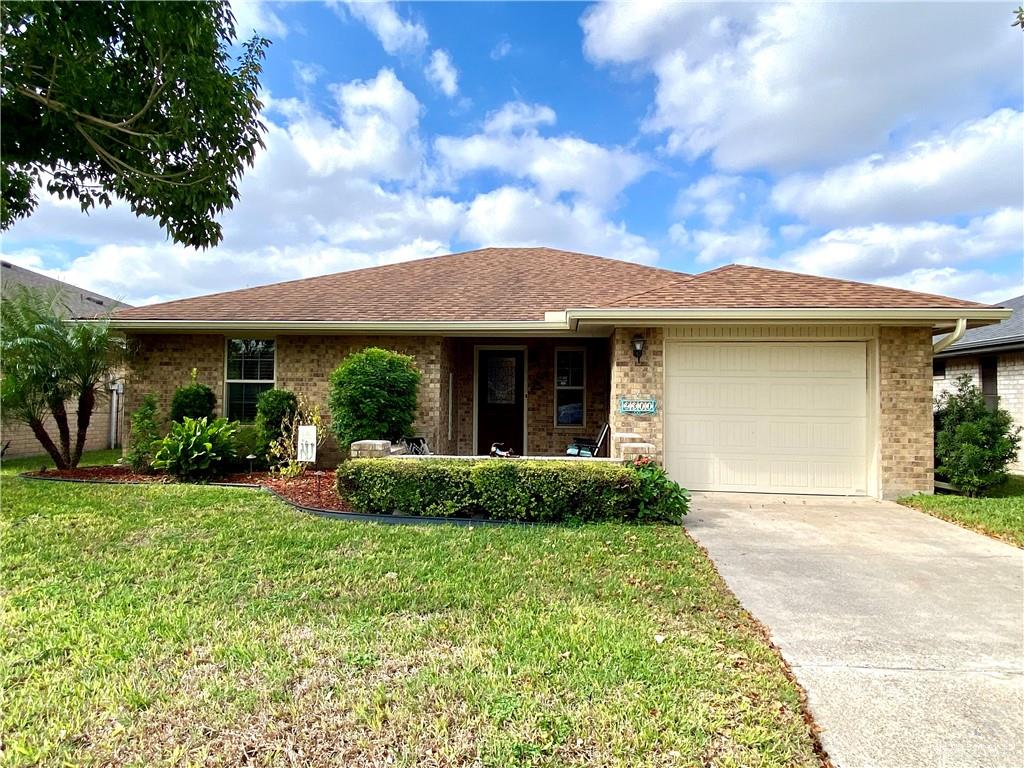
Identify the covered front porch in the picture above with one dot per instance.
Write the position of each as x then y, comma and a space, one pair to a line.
534, 395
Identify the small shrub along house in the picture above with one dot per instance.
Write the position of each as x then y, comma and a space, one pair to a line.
736, 379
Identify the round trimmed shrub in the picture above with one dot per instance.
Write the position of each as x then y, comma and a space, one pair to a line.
373, 396
195, 401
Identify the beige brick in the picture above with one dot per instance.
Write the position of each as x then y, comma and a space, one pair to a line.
906, 440
645, 378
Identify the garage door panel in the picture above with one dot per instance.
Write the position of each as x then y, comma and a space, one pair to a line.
839, 438
765, 416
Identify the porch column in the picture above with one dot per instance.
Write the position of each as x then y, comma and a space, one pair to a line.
636, 434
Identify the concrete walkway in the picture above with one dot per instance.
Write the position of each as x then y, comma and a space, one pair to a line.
906, 632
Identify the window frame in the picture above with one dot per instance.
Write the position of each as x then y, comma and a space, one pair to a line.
988, 380
581, 388
938, 368
228, 381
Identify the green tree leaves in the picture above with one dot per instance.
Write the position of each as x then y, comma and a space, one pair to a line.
136, 100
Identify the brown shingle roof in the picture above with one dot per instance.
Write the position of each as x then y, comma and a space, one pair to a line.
521, 284
490, 284
739, 286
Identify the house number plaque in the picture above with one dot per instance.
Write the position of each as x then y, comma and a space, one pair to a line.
638, 406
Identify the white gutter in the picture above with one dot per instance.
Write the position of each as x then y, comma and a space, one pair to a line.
897, 315
570, 320
951, 338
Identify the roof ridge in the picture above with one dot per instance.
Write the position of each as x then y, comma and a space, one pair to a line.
687, 279
422, 260
683, 278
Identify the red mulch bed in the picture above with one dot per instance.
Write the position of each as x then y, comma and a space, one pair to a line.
310, 489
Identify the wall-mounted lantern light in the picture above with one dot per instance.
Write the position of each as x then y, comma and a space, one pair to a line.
638, 347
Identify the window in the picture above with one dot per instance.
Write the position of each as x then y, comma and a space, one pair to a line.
939, 369
250, 371
990, 382
570, 388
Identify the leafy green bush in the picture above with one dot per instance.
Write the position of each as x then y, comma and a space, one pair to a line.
550, 491
541, 491
658, 497
272, 408
195, 401
373, 396
430, 487
197, 449
145, 435
973, 443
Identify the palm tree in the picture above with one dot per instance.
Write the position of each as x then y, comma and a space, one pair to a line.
47, 360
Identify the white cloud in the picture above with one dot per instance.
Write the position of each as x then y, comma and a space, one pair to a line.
307, 73
329, 192
882, 251
143, 274
376, 132
396, 35
256, 16
976, 284
977, 167
518, 116
715, 197
501, 49
785, 86
714, 247
509, 216
442, 73
510, 143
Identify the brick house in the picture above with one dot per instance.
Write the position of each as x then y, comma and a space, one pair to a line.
739, 378
993, 356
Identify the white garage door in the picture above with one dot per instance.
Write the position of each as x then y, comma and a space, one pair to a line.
768, 417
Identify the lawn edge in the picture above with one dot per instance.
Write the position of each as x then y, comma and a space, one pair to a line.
762, 630
1001, 537
332, 514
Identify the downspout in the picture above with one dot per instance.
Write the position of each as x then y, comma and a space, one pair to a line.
952, 338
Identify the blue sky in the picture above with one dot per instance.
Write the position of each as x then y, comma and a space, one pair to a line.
876, 142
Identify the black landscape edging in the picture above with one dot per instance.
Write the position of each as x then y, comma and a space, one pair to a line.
331, 514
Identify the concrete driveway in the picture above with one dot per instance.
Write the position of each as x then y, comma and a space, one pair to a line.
906, 632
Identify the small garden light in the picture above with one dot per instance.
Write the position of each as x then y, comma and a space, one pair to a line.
638, 347
251, 457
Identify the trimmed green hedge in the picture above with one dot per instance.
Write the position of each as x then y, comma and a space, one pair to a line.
534, 491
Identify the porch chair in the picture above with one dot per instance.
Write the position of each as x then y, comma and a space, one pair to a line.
582, 446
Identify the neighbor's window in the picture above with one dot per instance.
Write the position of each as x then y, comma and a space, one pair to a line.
990, 381
939, 369
570, 387
250, 371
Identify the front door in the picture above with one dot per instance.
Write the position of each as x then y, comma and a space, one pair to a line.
499, 399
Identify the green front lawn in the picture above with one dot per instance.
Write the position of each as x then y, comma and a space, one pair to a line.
188, 625
1001, 514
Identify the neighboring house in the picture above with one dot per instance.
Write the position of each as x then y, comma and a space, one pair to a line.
993, 356
104, 431
739, 379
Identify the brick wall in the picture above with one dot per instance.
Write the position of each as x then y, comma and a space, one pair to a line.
1011, 394
644, 379
905, 400
955, 368
162, 363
